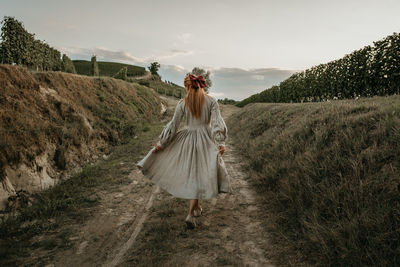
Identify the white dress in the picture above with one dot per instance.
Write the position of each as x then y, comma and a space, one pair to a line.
189, 165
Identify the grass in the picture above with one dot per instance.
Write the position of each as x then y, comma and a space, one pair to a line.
330, 177
71, 201
156, 243
109, 69
167, 89
74, 112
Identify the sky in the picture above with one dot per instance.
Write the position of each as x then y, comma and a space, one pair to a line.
248, 45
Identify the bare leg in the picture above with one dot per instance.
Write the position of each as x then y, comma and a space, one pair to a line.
197, 206
192, 205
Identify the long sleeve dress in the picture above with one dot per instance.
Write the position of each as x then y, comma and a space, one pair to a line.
189, 165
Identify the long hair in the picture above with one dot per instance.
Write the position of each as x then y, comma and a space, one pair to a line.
195, 98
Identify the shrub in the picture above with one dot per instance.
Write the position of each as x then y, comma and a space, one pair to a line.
94, 66
121, 74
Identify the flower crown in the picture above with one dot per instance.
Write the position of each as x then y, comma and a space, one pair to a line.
197, 81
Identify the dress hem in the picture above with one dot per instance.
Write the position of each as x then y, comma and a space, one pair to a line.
180, 196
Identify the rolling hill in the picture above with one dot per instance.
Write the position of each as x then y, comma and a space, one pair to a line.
107, 68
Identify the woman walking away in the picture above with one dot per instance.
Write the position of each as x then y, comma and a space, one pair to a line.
188, 163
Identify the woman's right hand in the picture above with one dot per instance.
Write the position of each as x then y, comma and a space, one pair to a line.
157, 148
221, 150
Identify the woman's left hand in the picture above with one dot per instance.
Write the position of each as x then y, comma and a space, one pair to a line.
157, 148
221, 150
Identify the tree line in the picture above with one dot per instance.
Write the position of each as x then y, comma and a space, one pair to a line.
20, 47
372, 70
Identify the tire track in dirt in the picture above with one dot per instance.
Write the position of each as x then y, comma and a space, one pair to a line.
112, 230
137, 226
230, 233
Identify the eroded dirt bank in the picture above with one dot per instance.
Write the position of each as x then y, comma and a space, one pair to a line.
52, 123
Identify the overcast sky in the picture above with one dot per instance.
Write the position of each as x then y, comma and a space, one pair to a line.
247, 45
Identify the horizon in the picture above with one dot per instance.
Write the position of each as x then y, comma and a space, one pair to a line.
247, 47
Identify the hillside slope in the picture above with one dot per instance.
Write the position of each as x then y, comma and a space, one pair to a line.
83, 67
52, 122
330, 177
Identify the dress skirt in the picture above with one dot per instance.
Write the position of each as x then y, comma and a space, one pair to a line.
190, 167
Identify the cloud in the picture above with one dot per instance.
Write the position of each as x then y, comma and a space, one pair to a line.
185, 37
101, 54
233, 83
216, 94
119, 56
258, 77
174, 53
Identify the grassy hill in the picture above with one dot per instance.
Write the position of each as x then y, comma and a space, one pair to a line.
330, 176
51, 124
111, 68
57, 121
107, 68
167, 89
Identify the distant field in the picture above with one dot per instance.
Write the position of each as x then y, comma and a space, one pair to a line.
330, 176
167, 89
107, 68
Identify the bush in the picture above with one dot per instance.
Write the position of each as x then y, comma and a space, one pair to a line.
227, 101
94, 67
67, 65
144, 83
121, 74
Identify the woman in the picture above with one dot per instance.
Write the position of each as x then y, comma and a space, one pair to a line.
187, 163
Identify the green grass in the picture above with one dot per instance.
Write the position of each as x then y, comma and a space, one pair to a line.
71, 201
108, 68
330, 177
167, 89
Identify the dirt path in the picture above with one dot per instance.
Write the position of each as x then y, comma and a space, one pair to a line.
144, 77
139, 224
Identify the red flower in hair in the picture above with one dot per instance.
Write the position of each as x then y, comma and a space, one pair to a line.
197, 81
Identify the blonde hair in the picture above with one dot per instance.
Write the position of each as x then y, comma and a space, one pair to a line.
194, 98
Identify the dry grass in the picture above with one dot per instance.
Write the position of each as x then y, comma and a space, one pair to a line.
37, 232
76, 115
330, 176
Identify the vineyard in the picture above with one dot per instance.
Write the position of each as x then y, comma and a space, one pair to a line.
20, 47
83, 67
372, 70
169, 89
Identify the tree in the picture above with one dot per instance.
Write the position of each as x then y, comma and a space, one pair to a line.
16, 42
153, 68
206, 75
122, 74
67, 65
95, 67
20, 47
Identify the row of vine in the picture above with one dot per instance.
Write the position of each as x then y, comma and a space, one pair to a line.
372, 70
